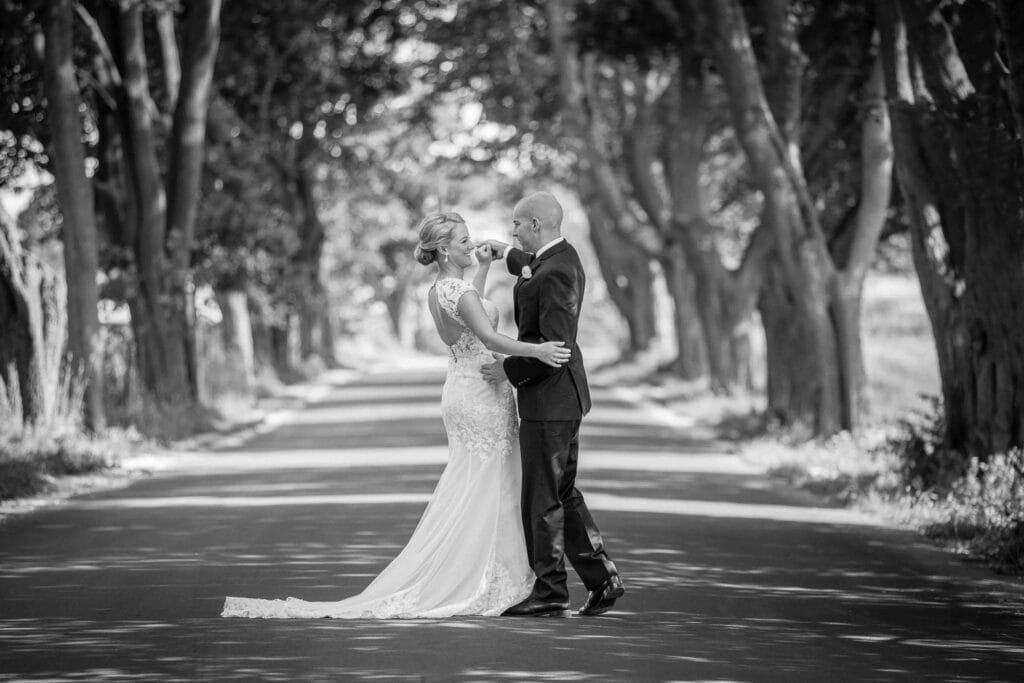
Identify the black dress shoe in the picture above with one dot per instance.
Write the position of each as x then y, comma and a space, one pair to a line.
532, 607
603, 598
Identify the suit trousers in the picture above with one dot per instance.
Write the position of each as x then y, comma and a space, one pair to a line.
556, 520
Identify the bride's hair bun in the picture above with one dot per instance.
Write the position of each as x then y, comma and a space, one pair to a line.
425, 256
435, 232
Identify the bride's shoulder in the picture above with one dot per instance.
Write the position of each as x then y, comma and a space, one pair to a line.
453, 287
450, 291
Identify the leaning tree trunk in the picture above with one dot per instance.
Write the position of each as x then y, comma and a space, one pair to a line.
876, 162
74, 195
33, 325
805, 382
584, 121
958, 164
627, 274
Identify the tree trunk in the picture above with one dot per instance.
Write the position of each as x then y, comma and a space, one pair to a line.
795, 321
804, 377
74, 195
875, 189
312, 235
157, 222
282, 348
162, 355
262, 344
584, 119
394, 301
327, 336
237, 335
309, 321
627, 275
33, 325
691, 359
185, 169
954, 133
725, 300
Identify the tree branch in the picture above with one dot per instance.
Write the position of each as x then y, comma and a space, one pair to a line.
202, 33
1011, 20
101, 42
590, 130
876, 178
169, 53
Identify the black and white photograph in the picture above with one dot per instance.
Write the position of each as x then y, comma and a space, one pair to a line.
511, 340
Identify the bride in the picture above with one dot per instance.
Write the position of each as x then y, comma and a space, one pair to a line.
467, 554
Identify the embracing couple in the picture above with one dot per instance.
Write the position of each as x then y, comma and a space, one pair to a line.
500, 524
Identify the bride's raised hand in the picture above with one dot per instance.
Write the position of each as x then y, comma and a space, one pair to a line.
553, 353
484, 255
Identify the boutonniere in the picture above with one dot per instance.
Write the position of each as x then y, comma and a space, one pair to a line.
526, 273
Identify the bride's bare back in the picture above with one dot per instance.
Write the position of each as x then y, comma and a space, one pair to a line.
448, 329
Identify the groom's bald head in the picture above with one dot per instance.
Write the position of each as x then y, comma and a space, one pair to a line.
537, 219
541, 205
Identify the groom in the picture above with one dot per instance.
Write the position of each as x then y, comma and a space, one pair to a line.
552, 402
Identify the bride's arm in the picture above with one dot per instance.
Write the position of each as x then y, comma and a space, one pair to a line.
551, 353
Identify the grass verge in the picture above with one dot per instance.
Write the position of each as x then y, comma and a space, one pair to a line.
33, 461
973, 508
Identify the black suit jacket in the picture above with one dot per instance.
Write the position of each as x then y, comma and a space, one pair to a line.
547, 308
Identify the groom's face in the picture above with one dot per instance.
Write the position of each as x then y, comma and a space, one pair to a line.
524, 229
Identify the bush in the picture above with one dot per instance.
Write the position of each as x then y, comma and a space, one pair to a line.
925, 464
163, 422
984, 510
33, 455
972, 505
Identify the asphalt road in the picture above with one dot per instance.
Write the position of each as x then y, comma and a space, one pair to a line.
729, 576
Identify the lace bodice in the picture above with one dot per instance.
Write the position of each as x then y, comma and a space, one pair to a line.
468, 353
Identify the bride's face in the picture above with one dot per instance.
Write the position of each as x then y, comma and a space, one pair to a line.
460, 249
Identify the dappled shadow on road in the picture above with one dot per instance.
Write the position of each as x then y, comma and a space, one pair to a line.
728, 577
639, 644
708, 598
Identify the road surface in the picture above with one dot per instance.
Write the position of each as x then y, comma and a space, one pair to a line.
730, 576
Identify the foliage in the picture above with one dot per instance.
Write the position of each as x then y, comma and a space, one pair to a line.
32, 456
31, 462
22, 113
984, 510
980, 512
925, 464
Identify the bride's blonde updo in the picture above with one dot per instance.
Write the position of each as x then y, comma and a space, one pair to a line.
435, 232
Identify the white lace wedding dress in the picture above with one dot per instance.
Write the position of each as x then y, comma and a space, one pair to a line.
467, 554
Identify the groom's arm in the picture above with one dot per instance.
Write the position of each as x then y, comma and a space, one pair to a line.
559, 311
515, 259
